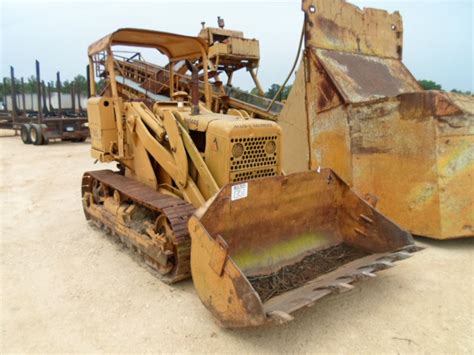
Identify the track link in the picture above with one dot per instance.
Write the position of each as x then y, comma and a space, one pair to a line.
171, 258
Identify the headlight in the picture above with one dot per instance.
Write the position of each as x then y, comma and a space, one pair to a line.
270, 147
237, 150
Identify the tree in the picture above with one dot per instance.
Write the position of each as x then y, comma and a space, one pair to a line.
66, 87
6, 87
30, 84
461, 92
430, 85
272, 91
286, 92
52, 85
254, 91
80, 84
100, 85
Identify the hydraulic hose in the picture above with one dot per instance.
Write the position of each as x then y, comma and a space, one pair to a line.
291, 71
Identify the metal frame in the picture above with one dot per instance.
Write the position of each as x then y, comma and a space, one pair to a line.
55, 124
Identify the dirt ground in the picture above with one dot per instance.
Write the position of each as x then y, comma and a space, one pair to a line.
65, 287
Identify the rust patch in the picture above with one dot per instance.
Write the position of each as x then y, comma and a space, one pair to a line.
330, 28
423, 105
444, 106
362, 78
416, 106
454, 122
371, 77
338, 25
359, 148
328, 96
248, 297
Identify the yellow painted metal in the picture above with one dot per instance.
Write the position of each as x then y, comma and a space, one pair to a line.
102, 127
367, 118
208, 184
230, 47
307, 212
340, 26
252, 220
175, 46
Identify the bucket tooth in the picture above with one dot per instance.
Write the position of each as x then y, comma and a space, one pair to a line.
342, 287
401, 255
368, 274
363, 274
280, 316
383, 264
366, 219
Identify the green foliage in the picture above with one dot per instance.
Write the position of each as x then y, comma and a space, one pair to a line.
429, 85
6, 87
462, 92
100, 85
254, 91
273, 90
30, 84
432, 85
66, 87
79, 82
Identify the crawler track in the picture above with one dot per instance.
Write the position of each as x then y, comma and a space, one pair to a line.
107, 198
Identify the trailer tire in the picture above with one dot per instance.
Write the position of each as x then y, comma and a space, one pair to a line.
25, 133
44, 134
36, 134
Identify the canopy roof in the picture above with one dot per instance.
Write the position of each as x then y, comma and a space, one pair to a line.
173, 45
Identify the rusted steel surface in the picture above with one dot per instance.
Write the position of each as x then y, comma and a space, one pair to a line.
361, 78
38, 92
416, 153
42, 126
368, 119
340, 26
311, 215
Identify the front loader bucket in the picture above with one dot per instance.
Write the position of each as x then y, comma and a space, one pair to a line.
264, 249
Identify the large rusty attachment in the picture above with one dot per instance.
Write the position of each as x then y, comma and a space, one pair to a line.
266, 248
356, 108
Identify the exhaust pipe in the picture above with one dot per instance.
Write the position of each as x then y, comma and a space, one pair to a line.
194, 88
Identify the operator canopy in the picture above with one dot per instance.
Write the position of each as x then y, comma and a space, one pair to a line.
175, 46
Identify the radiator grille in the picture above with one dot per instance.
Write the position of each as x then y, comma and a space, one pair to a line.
258, 160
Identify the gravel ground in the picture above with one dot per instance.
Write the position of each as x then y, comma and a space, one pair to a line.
65, 287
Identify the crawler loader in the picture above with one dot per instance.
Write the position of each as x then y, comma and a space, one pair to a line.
203, 194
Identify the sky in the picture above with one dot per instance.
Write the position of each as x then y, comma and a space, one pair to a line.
438, 35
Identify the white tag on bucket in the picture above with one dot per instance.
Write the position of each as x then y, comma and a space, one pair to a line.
239, 191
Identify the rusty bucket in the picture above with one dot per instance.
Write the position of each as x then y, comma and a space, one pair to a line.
266, 248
